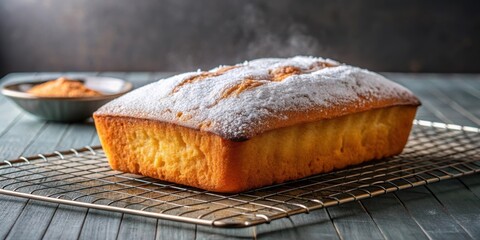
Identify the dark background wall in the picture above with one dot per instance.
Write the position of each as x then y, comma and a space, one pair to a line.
180, 35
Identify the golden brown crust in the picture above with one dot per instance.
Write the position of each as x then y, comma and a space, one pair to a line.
165, 151
237, 89
205, 160
280, 73
202, 76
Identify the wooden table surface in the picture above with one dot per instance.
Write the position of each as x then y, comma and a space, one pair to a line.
445, 210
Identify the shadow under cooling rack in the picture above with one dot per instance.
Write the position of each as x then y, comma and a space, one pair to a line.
82, 177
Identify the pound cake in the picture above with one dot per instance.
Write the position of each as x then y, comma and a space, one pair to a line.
261, 122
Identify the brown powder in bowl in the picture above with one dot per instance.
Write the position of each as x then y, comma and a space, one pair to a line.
62, 87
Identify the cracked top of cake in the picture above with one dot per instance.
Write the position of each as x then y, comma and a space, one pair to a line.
240, 101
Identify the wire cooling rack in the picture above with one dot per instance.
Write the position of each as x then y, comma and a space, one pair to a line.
82, 177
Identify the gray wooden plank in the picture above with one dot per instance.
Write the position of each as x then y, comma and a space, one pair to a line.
461, 203
470, 84
10, 114
315, 225
427, 87
100, 225
21, 134
392, 218
352, 222
451, 94
430, 214
37, 212
426, 111
204, 232
14, 141
429, 101
461, 87
28, 226
174, 230
95, 140
137, 227
11, 208
63, 216
473, 183
76, 216
47, 140
279, 229
78, 135
464, 95
13, 144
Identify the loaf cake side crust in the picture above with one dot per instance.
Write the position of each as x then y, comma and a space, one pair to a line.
202, 159
166, 151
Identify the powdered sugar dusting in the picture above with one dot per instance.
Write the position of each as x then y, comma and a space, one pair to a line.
199, 105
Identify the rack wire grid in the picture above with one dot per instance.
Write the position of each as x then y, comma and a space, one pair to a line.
82, 177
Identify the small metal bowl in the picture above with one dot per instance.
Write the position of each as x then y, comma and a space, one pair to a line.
66, 109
